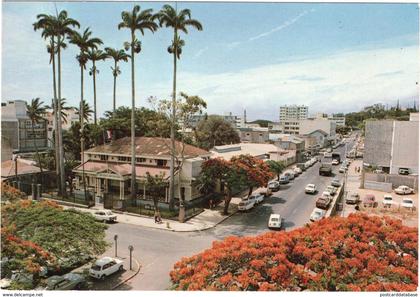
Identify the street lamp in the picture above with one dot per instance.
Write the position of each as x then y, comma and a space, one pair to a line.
130, 248
115, 239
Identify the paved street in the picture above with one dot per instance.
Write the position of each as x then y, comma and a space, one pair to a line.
158, 250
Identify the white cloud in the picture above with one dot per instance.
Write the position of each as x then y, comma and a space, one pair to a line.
200, 52
344, 82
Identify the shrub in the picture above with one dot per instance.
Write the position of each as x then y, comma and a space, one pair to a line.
358, 253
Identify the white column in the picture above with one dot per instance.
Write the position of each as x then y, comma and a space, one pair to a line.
121, 189
144, 191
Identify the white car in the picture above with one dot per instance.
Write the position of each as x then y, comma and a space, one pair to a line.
387, 201
335, 162
342, 169
317, 214
407, 203
258, 197
310, 189
403, 190
297, 170
290, 174
326, 194
274, 222
246, 203
105, 266
332, 190
105, 216
274, 185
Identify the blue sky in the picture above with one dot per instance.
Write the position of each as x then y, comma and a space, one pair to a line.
258, 56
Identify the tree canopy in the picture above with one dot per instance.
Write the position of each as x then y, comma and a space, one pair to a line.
215, 131
357, 253
36, 234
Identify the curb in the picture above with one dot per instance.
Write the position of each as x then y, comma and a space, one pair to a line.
130, 277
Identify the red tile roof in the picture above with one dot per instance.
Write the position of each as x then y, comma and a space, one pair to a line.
147, 146
8, 168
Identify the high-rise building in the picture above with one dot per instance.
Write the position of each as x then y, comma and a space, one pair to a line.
290, 116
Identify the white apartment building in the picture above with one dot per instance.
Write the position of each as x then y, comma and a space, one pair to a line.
71, 117
310, 125
290, 116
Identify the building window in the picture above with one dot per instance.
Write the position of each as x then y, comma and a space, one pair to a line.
161, 163
141, 160
104, 157
124, 159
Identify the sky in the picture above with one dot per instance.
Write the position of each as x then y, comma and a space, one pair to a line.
253, 56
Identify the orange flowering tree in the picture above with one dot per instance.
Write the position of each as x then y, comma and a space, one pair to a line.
358, 253
256, 172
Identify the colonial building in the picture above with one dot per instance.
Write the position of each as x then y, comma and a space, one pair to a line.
107, 168
255, 134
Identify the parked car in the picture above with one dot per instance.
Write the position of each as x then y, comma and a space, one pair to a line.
274, 222
404, 171
354, 198
332, 190
105, 266
387, 201
246, 203
258, 197
336, 182
327, 194
317, 214
105, 216
284, 179
314, 160
297, 170
274, 186
369, 200
335, 162
310, 189
403, 190
342, 169
290, 175
308, 164
407, 203
266, 192
69, 281
323, 202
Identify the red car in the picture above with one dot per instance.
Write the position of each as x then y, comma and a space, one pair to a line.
369, 200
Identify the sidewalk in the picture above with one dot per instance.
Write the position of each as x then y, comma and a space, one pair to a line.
209, 218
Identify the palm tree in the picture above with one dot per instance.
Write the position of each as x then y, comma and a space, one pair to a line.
46, 24
62, 28
94, 55
85, 112
63, 107
84, 42
169, 17
117, 55
135, 20
36, 113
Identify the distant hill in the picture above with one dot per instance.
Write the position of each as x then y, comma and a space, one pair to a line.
262, 123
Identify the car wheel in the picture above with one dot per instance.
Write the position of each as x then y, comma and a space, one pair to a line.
121, 268
102, 277
78, 286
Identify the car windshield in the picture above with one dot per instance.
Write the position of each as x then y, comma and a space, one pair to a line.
96, 267
407, 201
108, 212
317, 213
387, 198
274, 219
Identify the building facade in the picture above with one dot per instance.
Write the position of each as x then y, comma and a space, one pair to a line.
17, 133
255, 135
310, 125
71, 116
392, 145
290, 117
107, 168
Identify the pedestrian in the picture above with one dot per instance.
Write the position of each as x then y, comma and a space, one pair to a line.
211, 203
156, 218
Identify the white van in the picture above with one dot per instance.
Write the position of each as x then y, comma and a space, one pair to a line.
274, 222
246, 203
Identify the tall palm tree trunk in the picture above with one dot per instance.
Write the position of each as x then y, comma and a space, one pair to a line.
82, 138
114, 99
133, 138
94, 91
60, 131
56, 119
172, 164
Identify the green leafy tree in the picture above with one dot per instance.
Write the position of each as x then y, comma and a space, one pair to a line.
36, 112
169, 17
276, 167
136, 20
156, 185
215, 131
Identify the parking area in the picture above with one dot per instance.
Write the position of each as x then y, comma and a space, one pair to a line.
409, 217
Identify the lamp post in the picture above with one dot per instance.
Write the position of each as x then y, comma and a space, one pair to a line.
131, 248
115, 239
